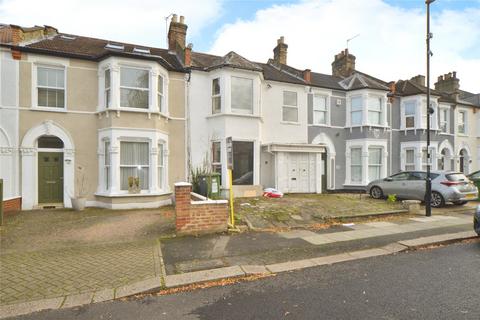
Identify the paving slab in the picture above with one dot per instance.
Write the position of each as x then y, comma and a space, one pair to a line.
254, 269
290, 265
77, 300
380, 224
202, 276
318, 239
360, 254
137, 287
29, 307
297, 234
332, 259
437, 239
103, 295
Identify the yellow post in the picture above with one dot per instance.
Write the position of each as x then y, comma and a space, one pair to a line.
230, 183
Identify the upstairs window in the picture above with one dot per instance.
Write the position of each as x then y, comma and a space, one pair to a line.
216, 97
461, 124
242, 95
375, 111
443, 120
51, 87
319, 109
160, 94
290, 107
409, 114
356, 112
134, 88
108, 80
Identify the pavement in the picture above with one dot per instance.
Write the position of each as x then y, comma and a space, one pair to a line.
32, 282
432, 284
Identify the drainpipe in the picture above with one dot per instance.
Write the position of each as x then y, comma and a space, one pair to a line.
188, 160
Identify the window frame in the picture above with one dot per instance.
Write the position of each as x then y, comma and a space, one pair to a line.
120, 166
216, 164
36, 86
107, 92
378, 111
285, 105
316, 110
379, 165
148, 90
107, 164
216, 96
445, 122
409, 164
161, 94
240, 110
463, 123
361, 110
352, 165
161, 165
412, 115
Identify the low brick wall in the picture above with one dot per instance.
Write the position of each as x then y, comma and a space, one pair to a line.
12, 205
196, 214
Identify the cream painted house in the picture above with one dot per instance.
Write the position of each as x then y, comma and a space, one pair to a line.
89, 117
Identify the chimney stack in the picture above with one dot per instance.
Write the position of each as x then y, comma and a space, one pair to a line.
419, 79
448, 83
280, 51
177, 34
343, 65
307, 75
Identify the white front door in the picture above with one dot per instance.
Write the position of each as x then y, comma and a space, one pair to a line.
297, 173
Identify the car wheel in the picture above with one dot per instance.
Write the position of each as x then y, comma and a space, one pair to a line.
437, 200
376, 192
459, 203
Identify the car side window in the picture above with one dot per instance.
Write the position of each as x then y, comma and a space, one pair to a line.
417, 176
476, 175
401, 176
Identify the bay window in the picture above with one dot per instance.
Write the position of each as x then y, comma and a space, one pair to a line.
134, 88
374, 163
375, 110
134, 163
319, 109
242, 95
356, 111
216, 97
356, 165
409, 114
424, 159
50, 87
290, 107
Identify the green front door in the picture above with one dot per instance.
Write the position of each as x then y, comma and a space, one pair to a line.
50, 177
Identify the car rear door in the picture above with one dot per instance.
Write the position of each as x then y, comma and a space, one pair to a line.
416, 185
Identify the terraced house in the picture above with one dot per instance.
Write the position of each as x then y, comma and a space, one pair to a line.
88, 117
121, 123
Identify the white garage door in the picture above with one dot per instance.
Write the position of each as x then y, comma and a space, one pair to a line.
297, 172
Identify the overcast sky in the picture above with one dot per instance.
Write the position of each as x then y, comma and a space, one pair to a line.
391, 44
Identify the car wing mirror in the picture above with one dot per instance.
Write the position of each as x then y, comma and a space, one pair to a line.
388, 179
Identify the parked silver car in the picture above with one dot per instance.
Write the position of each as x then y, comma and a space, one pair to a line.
446, 187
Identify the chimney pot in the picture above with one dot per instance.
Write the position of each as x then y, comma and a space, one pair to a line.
280, 51
454, 74
174, 18
182, 19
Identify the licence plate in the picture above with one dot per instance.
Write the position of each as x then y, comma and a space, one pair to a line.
470, 196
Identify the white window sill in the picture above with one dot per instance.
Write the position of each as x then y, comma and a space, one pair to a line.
126, 194
446, 134
354, 185
139, 110
368, 126
223, 114
462, 135
319, 125
49, 109
291, 123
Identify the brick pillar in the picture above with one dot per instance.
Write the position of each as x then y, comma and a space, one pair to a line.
182, 204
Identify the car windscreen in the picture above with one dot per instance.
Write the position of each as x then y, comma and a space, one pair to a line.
456, 177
